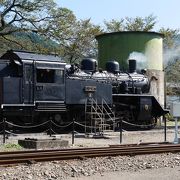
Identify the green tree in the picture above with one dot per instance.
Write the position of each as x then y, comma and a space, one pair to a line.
140, 24
169, 36
131, 24
173, 77
25, 15
74, 38
60, 26
114, 25
31, 16
81, 41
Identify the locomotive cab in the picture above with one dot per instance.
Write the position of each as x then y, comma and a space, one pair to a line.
10, 81
37, 81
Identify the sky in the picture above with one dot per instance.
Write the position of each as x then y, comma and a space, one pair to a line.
166, 11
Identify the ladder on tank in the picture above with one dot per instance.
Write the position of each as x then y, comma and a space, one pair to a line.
100, 117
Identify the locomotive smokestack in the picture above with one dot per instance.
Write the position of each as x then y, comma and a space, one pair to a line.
132, 65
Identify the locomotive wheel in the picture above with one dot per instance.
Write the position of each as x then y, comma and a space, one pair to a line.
129, 117
125, 116
58, 119
153, 123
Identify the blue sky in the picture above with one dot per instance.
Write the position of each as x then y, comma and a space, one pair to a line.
166, 11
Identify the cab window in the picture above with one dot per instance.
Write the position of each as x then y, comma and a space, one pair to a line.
50, 76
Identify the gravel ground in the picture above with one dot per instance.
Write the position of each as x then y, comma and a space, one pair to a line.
162, 166
156, 135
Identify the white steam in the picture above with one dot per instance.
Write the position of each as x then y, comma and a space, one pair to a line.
171, 55
140, 58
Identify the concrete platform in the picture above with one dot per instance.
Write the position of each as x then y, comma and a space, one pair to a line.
42, 143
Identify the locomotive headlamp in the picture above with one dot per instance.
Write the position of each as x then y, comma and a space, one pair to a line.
146, 107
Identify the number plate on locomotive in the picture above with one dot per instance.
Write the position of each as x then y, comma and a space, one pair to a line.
90, 88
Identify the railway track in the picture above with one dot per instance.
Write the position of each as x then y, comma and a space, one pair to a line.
19, 157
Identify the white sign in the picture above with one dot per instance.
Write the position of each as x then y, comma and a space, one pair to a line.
175, 109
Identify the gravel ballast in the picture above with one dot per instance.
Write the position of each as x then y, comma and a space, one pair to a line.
88, 167
101, 167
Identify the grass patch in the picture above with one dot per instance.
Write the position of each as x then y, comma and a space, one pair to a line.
171, 123
10, 147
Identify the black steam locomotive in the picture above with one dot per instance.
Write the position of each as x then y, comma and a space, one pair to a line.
35, 87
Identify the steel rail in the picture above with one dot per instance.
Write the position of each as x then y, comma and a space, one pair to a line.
110, 146
50, 155
84, 150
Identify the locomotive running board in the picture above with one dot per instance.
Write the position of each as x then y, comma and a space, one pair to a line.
17, 105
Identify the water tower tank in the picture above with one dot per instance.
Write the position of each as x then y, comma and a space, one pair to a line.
120, 45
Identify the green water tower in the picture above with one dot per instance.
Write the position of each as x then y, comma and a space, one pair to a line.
120, 46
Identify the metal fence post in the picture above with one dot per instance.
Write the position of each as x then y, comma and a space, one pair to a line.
120, 130
165, 128
50, 126
4, 130
176, 131
73, 132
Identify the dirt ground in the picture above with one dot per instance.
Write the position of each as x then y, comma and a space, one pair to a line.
128, 137
110, 138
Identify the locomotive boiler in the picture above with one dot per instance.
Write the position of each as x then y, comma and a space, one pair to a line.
131, 96
36, 87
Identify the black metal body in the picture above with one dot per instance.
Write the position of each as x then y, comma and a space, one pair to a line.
76, 93
38, 87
